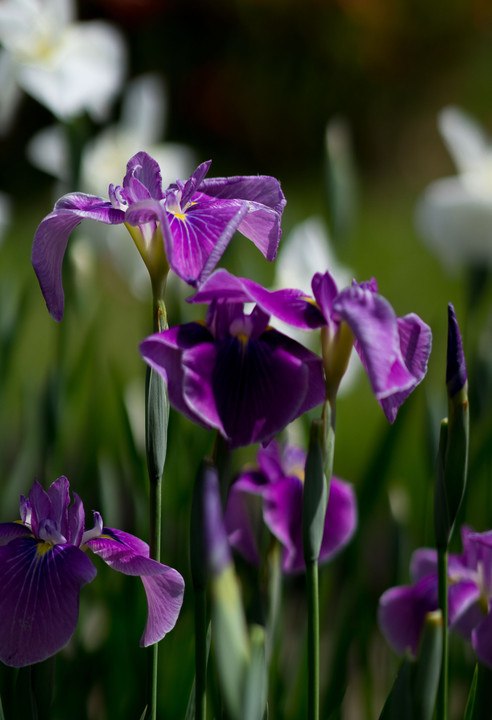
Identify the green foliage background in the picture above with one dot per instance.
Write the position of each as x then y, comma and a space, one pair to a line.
252, 84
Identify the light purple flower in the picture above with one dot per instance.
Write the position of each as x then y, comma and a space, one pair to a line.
43, 566
186, 227
394, 351
235, 373
278, 481
402, 609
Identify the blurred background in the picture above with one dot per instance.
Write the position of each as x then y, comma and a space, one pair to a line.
340, 101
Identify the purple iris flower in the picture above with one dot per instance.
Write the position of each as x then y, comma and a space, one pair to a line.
394, 351
43, 566
235, 373
402, 609
186, 227
278, 481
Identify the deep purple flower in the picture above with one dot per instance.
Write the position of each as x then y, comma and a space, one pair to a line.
186, 227
235, 373
402, 609
456, 375
43, 566
394, 351
278, 481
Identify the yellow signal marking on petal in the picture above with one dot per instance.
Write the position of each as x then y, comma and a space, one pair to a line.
180, 216
298, 471
243, 338
43, 548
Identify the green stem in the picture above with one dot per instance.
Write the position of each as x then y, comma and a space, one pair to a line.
200, 654
157, 417
442, 572
313, 639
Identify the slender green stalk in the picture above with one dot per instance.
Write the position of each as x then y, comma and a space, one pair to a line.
200, 654
313, 639
157, 416
442, 695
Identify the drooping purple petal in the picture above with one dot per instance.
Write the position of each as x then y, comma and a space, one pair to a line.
39, 599
415, 347
283, 515
290, 306
394, 351
50, 241
265, 206
11, 531
164, 352
163, 585
402, 611
199, 237
244, 384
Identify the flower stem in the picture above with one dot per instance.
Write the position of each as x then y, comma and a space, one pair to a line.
442, 572
200, 654
156, 423
313, 639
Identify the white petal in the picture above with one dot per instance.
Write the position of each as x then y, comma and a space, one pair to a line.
455, 223
464, 138
48, 151
84, 72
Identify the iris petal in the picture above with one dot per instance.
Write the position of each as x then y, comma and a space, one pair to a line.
51, 238
200, 235
247, 383
39, 599
163, 585
402, 612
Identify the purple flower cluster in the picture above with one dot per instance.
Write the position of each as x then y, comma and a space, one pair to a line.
394, 351
402, 609
43, 567
234, 373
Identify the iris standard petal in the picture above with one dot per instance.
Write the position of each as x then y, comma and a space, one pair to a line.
402, 611
39, 599
143, 178
163, 585
51, 238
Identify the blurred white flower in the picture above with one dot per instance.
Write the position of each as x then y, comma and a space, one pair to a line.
454, 214
68, 66
304, 252
104, 160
